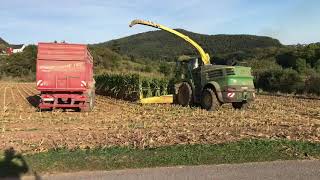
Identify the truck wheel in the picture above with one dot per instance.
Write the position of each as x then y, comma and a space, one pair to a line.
240, 105
92, 101
209, 100
184, 96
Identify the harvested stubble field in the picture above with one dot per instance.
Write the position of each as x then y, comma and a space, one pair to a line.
120, 123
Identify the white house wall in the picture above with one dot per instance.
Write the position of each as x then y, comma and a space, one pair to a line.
19, 50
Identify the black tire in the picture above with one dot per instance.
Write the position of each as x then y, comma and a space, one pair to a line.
240, 105
92, 100
184, 96
209, 100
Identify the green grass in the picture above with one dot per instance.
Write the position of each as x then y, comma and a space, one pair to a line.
120, 158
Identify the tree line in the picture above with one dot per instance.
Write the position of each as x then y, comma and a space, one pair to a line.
293, 69
286, 69
161, 45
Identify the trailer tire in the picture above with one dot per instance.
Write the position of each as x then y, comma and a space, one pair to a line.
209, 100
92, 100
90, 103
184, 96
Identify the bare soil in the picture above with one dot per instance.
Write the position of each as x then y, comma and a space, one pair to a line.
119, 123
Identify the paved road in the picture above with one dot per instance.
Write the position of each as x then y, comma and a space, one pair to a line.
286, 170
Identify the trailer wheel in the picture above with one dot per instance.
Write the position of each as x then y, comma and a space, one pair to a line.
92, 101
209, 100
89, 104
184, 96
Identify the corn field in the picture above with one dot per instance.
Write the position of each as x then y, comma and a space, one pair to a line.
130, 87
122, 123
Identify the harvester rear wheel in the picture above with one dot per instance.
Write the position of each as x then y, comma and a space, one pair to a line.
209, 100
240, 105
184, 96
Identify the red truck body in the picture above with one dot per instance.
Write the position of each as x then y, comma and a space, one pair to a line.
65, 76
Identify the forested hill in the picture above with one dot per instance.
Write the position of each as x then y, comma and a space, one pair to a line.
3, 41
163, 45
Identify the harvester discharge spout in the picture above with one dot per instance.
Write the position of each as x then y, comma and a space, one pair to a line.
204, 56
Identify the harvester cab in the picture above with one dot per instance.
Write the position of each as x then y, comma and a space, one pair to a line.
200, 82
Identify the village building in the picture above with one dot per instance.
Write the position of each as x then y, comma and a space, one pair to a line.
15, 48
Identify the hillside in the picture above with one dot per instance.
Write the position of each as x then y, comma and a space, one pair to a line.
3, 42
165, 46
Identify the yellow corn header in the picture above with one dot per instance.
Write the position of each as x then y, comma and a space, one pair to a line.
167, 99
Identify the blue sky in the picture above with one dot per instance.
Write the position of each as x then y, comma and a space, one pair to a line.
92, 21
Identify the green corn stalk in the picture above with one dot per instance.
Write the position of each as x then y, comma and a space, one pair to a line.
130, 87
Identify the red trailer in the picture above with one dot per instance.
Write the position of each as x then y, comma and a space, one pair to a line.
65, 76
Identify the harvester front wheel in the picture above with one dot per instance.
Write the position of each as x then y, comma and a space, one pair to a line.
209, 100
184, 96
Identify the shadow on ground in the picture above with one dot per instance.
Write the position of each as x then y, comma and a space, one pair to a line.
13, 166
34, 100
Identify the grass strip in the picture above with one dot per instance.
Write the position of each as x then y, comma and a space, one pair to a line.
64, 160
